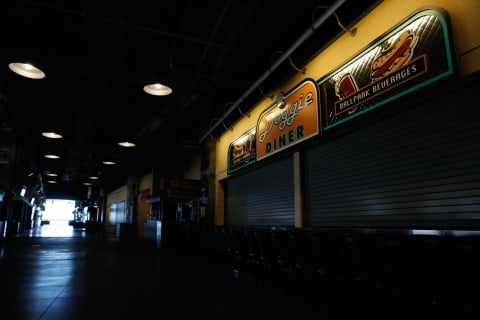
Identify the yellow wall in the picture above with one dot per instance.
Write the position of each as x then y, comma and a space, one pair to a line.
465, 17
143, 208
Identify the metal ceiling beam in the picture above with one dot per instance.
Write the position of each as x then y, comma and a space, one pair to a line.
315, 25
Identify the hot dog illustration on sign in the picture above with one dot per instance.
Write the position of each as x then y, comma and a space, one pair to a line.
394, 56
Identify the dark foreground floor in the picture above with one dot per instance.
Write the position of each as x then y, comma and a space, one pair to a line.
82, 276
70, 274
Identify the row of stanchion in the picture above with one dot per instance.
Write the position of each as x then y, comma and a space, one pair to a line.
420, 273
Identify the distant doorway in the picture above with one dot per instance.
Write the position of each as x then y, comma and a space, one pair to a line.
58, 211
55, 220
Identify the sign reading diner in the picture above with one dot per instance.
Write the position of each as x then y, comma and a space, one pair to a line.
416, 53
291, 119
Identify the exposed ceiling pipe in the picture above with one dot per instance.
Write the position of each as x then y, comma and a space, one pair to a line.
316, 24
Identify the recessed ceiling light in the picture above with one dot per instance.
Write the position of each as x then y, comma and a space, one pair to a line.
87, 184
126, 144
52, 181
52, 156
157, 89
109, 163
52, 135
26, 70
93, 178
52, 174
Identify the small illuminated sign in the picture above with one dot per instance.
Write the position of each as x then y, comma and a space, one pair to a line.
242, 151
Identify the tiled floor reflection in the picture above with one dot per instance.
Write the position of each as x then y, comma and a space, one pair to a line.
56, 228
59, 273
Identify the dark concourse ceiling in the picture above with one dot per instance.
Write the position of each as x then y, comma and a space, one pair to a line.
98, 55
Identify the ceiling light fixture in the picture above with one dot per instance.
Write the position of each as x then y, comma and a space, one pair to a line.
52, 135
26, 70
109, 163
126, 144
52, 156
157, 89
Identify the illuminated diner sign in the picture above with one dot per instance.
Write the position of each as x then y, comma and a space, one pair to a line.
416, 53
242, 151
291, 119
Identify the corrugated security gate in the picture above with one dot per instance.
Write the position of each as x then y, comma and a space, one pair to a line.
262, 197
420, 167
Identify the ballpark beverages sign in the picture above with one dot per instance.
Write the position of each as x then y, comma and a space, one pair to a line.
416, 53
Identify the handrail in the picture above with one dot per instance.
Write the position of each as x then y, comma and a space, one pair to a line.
317, 23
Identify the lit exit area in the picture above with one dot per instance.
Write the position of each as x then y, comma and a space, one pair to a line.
57, 219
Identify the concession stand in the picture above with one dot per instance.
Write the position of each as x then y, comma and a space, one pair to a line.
173, 210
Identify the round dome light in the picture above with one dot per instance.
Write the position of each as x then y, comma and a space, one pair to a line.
52, 135
26, 70
157, 89
52, 156
126, 144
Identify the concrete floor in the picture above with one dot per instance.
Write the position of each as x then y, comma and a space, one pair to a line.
61, 273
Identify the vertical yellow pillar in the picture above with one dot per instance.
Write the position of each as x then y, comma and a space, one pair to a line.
298, 192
